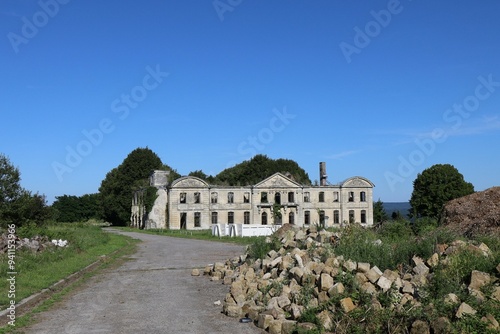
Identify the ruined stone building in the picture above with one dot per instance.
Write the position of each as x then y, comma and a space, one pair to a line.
191, 203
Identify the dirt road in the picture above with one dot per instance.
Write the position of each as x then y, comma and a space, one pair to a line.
154, 292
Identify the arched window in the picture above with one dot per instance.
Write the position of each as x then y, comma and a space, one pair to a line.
322, 218
291, 218
264, 218
277, 198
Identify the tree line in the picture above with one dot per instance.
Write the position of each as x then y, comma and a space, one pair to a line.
432, 189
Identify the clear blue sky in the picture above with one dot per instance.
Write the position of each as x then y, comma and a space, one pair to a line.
381, 89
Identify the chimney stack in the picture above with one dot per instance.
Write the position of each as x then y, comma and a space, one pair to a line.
322, 174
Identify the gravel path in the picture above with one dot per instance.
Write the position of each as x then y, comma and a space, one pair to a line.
152, 293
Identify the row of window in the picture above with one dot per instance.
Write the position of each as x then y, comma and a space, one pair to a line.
277, 197
264, 217
336, 217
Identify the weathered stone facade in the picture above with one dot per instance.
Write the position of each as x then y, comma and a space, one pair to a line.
191, 203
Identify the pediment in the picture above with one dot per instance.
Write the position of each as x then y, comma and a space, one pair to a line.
189, 182
357, 181
278, 180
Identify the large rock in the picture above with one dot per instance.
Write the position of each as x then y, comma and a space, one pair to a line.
420, 327
478, 279
463, 309
347, 304
325, 320
326, 282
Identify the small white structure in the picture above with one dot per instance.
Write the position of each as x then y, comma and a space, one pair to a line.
241, 230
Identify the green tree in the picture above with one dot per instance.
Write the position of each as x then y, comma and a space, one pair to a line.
379, 213
434, 187
18, 205
69, 208
118, 186
199, 174
252, 171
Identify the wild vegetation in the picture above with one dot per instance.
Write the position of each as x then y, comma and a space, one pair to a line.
392, 246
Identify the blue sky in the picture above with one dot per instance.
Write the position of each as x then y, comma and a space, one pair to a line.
381, 89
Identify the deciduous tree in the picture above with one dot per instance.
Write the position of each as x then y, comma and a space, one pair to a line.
434, 187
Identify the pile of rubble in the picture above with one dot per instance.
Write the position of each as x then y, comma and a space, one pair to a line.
478, 213
35, 244
276, 291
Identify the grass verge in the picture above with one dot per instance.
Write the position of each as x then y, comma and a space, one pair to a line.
195, 234
38, 271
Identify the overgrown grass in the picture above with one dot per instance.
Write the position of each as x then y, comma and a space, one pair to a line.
37, 271
392, 246
192, 234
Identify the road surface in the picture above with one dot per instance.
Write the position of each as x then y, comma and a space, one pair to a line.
154, 292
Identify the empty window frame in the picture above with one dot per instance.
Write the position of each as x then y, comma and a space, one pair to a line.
263, 197
213, 197
214, 218
336, 217
363, 216
182, 198
335, 196
362, 196
291, 218
197, 197
322, 218
230, 197
351, 216
246, 217
277, 198
264, 218
230, 217
351, 196
307, 197
246, 197
291, 197
307, 217
321, 197
197, 219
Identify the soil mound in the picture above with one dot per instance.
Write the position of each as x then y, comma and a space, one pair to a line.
475, 214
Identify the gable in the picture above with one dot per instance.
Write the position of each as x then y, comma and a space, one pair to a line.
356, 182
277, 180
189, 182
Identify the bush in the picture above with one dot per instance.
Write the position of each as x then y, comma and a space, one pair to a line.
263, 245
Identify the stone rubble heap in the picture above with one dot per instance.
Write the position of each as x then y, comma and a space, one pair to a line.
274, 292
35, 244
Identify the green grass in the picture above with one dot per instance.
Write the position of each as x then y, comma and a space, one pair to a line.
37, 271
194, 234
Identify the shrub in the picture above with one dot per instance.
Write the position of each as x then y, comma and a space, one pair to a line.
259, 248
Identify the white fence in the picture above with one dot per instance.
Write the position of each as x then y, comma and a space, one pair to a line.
243, 230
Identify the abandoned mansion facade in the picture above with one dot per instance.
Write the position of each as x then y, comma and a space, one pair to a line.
191, 203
